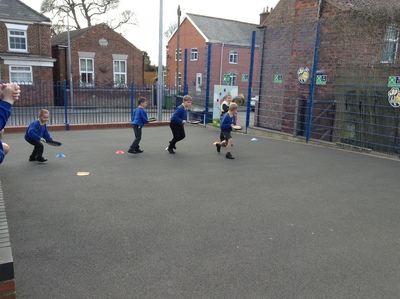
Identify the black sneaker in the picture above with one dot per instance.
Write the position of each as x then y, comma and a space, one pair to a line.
41, 159
131, 151
170, 150
229, 156
218, 145
138, 151
32, 159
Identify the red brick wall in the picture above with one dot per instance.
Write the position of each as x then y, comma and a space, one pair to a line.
89, 42
7, 289
289, 45
191, 38
39, 44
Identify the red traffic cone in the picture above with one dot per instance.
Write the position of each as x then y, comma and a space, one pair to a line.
119, 152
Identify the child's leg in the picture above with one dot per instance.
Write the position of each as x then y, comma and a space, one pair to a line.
229, 145
178, 132
138, 136
6, 148
221, 137
38, 148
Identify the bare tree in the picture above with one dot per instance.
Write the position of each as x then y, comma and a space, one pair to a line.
89, 11
171, 29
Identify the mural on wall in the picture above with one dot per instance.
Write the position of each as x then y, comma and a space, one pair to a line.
219, 92
303, 74
394, 92
394, 97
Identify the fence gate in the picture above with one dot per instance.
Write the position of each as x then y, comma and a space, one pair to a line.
322, 123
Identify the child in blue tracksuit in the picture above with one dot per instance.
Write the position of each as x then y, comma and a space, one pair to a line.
227, 121
37, 134
139, 119
9, 93
177, 123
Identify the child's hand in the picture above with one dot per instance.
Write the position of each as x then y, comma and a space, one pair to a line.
184, 122
43, 140
10, 92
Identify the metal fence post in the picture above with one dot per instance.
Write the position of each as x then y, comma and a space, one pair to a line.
253, 41
66, 106
132, 98
208, 83
313, 73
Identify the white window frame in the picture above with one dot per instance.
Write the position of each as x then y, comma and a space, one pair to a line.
391, 45
180, 54
194, 54
84, 57
13, 28
179, 79
232, 79
14, 70
233, 57
120, 73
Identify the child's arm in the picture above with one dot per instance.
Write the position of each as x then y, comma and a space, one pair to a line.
10, 93
33, 131
46, 135
144, 117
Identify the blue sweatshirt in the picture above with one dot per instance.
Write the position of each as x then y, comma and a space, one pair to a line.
36, 130
227, 121
5, 112
139, 117
180, 114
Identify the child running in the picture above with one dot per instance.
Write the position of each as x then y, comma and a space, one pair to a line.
177, 123
227, 121
226, 101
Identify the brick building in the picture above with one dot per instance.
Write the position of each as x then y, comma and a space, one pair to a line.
98, 55
25, 49
230, 52
351, 45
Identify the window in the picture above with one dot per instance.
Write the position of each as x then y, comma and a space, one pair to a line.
391, 45
180, 54
86, 71
193, 54
232, 82
21, 74
17, 38
119, 73
179, 79
233, 57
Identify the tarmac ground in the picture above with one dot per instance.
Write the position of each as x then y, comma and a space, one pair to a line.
282, 220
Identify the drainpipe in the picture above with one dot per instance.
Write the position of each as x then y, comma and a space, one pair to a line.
313, 72
220, 67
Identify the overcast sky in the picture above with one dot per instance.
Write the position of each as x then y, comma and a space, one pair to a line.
145, 35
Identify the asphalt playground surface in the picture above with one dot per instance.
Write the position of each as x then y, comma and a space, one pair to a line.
282, 220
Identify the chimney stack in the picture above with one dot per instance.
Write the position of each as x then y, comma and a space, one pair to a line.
264, 14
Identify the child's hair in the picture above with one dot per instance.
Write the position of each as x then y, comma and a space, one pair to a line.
43, 111
233, 106
187, 98
142, 100
226, 96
